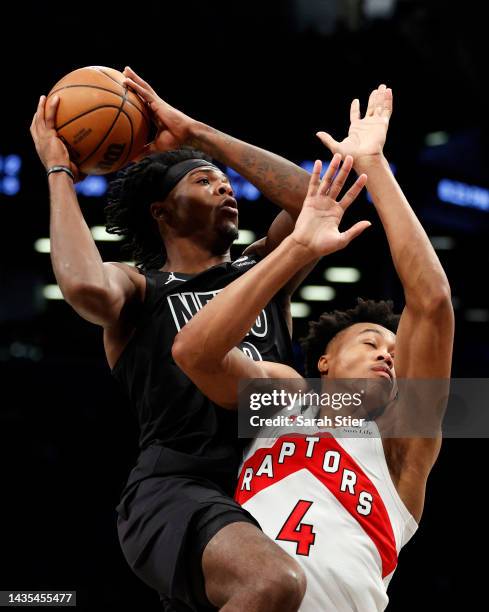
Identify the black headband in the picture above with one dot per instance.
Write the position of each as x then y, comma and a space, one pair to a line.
176, 172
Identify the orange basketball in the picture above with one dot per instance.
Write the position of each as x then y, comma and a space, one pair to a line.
103, 124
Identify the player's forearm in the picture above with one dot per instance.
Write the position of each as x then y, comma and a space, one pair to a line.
75, 258
415, 260
226, 319
280, 181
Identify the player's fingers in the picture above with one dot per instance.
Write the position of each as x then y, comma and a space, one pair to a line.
355, 110
330, 173
341, 177
371, 104
352, 193
328, 141
39, 114
146, 95
33, 127
50, 112
388, 103
380, 100
353, 232
315, 179
129, 72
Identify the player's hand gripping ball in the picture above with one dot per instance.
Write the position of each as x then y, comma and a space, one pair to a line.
103, 124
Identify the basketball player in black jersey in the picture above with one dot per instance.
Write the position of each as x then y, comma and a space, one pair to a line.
179, 529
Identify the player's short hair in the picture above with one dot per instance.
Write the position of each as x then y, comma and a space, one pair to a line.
129, 197
332, 323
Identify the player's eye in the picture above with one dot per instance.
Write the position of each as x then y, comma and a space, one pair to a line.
371, 344
204, 181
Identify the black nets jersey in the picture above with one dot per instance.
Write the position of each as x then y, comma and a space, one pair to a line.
182, 432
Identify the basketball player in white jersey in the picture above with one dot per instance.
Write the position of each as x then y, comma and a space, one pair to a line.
343, 507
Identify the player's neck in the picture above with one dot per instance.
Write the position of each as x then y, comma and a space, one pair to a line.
187, 257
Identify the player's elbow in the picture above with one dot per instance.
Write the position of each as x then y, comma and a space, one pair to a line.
178, 351
186, 352
94, 304
83, 292
439, 301
431, 301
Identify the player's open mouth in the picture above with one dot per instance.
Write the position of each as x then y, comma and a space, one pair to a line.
229, 202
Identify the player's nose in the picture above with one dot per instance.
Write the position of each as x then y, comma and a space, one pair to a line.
387, 358
225, 189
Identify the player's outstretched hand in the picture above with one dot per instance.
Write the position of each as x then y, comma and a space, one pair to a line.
366, 136
51, 149
174, 127
317, 227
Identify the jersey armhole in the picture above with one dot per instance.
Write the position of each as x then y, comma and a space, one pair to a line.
410, 523
145, 310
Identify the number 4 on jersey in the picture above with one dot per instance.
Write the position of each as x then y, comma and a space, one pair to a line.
294, 531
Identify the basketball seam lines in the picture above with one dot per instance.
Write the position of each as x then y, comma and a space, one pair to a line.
87, 113
97, 108
106, 135
125, 89
116, 93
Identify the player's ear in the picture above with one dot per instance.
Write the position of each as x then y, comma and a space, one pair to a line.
158, 211
323, 365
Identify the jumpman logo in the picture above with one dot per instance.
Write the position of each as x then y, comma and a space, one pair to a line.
172, 277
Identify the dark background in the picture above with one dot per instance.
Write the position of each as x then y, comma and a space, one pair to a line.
270, 73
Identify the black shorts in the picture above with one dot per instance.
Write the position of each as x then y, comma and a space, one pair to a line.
164, 524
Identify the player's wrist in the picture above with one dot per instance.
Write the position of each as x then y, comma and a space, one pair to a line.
61, 160
60, 170
364, 163
298, 250
198, 135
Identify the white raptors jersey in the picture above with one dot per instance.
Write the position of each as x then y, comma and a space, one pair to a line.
329, 501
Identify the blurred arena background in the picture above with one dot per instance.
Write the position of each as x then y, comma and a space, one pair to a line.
271, 73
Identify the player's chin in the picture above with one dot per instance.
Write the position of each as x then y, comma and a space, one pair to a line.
379, 388
227, 233
229, 227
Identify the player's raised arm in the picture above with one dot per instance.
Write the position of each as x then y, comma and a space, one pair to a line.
204, 348
97, 291
425, 336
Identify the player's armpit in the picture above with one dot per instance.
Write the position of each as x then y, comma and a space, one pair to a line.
104, 305
220, 381
410, 461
